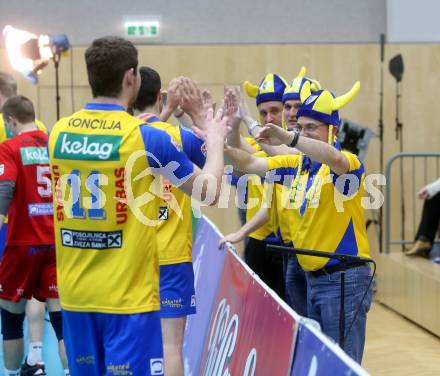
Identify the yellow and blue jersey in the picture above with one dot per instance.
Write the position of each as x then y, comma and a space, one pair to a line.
175, 220
104, 162
259, 193
329, 219
282, 213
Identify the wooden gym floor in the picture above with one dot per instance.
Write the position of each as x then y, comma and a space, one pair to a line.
396, 346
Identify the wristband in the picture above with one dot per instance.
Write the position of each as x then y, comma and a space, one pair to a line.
252, 127
295, 139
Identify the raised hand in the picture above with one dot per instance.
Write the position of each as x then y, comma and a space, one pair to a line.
208, 101
243, 107
230, 103
172, 99
214, 127
173, 94
191, 100
272, 134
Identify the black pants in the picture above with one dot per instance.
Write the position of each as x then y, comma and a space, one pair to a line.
267, 264
430, 219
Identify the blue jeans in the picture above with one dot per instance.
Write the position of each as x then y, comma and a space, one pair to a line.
296, 284
323, 293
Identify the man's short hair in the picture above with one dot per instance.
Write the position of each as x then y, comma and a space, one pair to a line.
107, 60
8, 85
149, 90
20, 108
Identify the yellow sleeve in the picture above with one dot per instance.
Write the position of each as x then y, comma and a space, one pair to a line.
260, 154
3, 134
251, 141
40, 126
283, 161
353, 160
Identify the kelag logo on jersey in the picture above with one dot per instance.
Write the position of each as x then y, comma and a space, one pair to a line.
87, 147
34, 155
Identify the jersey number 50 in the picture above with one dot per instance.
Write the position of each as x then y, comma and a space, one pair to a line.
44, 183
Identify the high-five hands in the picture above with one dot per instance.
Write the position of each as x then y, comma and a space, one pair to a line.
272, 134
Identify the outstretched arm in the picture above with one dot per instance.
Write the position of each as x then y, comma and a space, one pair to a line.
254, 129
246, 162
317, 150
214, 130
258, 220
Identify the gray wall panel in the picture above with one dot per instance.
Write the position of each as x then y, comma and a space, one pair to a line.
411, 21
202, 22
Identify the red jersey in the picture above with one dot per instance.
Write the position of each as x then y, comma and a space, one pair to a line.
24, 159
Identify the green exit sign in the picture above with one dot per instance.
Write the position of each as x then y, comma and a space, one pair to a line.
142, 29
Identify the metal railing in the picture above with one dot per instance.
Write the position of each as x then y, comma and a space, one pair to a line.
405, 180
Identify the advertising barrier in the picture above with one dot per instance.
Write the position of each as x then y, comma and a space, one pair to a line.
317, 355
243, 328
208, 262
240, 323
250, 331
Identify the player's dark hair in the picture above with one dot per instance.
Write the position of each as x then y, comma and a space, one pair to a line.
107, 60
149, 90
20, 108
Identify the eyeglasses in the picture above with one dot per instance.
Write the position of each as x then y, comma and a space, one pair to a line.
309, 127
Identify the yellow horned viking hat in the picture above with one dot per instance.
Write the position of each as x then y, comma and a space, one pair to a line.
271, 88
293, 90
323, 105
